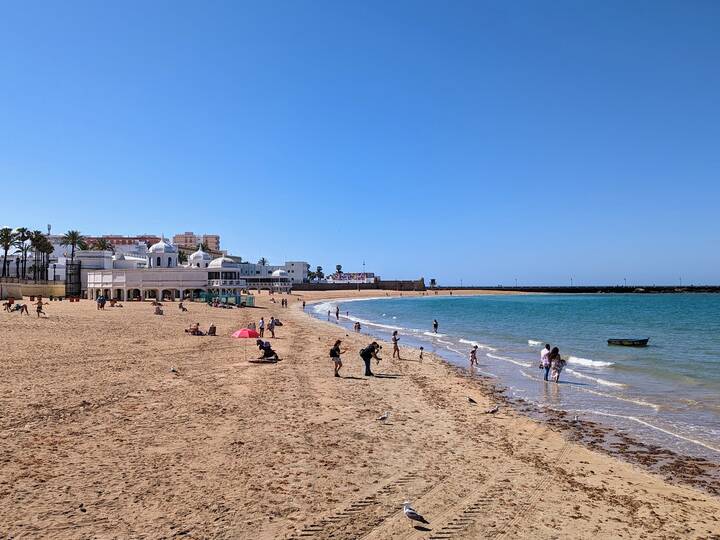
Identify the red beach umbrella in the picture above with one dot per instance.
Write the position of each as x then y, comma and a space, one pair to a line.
245, 333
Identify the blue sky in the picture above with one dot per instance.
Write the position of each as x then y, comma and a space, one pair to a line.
482, 141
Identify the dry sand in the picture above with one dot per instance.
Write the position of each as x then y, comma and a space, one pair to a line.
100, 439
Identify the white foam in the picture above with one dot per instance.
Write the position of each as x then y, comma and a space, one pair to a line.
628, 400
587, 362
479, 345
534, 343
511, 360
433, 334
596, 379
657, 428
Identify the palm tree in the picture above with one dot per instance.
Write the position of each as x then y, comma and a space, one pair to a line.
21, 243
338, 268
101, 244
182, 257
263, 261
72, 239
46, 248
7, 239
36, 241
202, 246
319, 272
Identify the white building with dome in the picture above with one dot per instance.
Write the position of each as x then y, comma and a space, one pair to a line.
162, 255
160, 277
199, 259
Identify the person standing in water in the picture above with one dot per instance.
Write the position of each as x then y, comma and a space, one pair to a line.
337, 313
544, 361
556, 364
473, 356
435, 325
396, 348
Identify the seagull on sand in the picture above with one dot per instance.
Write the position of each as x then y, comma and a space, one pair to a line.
384, 417
493, 410
575, 418
412, 514
472, 401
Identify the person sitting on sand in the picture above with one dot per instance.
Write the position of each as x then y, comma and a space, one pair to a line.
194, 330
335, 353
212, 331
158, 309
267, 350
181, 307
556, 364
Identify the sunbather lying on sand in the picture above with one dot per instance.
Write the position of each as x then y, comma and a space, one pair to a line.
194, 330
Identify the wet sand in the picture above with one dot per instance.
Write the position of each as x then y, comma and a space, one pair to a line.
99, 438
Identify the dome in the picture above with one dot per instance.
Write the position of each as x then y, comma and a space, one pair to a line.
163, 246
222, 262
279, 273
199, 255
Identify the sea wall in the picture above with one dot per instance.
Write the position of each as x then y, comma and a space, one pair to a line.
18, 290
393, 285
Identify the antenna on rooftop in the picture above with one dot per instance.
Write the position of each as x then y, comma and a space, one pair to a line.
49, 229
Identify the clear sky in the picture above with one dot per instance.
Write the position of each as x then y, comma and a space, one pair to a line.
482, 141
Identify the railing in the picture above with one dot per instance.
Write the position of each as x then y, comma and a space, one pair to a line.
226, 282
31, 281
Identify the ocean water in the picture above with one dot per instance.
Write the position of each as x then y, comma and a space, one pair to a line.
666, 394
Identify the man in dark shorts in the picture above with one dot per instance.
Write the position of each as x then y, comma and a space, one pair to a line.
367, 354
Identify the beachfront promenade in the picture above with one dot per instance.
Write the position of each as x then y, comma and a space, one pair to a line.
101, 438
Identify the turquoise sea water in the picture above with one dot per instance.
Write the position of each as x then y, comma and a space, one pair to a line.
667, 393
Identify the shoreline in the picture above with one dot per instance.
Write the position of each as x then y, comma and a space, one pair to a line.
117, 422
696, 471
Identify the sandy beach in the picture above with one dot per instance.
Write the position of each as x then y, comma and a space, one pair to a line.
101, 439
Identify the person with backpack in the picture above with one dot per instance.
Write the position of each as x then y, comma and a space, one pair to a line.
335, 353
367, 354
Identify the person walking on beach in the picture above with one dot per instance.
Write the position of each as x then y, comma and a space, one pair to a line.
435, 325
271, 326
545, 361
556, 364
335, 353
473, 356
303, 305
367, 354
396, 348
39, 307
261, 327
337, 313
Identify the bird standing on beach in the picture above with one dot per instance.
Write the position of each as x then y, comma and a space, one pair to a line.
412, 514
384, 417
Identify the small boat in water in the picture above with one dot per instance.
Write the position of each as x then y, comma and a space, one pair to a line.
629, 342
